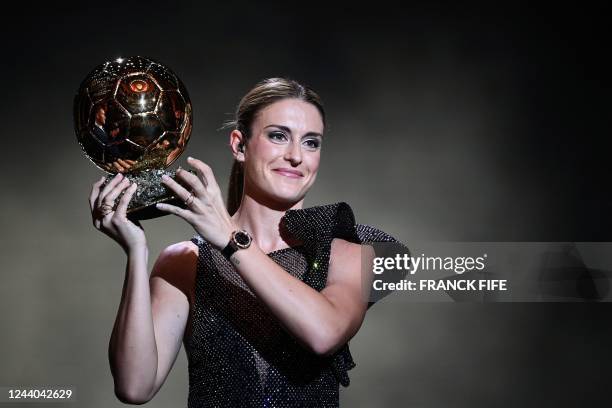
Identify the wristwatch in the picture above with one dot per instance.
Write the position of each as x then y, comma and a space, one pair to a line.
240, 239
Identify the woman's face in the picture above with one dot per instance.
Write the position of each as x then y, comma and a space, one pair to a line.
281, 158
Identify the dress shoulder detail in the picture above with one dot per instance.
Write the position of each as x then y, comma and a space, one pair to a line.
315, 227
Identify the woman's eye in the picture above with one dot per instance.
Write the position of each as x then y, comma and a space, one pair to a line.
278, 136
312, 143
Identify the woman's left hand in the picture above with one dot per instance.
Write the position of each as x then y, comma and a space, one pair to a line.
205, 211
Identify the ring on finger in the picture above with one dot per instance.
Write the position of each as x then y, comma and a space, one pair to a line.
104, 210
189, 199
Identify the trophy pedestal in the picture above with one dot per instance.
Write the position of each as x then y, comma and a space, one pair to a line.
150, 191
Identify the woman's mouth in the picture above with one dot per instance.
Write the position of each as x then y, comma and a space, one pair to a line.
289, 172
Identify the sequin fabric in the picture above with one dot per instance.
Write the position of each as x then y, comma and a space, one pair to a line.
238, 353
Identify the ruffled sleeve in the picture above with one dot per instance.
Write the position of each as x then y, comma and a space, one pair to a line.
316, 227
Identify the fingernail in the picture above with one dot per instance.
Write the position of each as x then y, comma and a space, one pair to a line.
190, 158
165, 177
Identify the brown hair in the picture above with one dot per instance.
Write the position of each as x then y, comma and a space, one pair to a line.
261, 95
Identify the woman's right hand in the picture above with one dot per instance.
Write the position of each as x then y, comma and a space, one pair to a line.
115, 224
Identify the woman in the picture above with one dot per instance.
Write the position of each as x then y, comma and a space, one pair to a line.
267, 295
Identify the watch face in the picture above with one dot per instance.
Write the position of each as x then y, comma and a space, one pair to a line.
242, 239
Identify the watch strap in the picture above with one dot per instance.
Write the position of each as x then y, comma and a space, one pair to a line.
229, 249
236, 242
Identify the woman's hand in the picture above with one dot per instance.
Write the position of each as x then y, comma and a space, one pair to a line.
115, 224
205, 210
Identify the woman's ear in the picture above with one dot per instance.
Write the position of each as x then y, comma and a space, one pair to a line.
238, 145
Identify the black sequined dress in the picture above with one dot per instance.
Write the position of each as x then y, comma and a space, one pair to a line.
238, 353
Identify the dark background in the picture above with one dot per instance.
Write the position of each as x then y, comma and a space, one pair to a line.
461, 123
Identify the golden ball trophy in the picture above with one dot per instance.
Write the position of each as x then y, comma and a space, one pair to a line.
133, 115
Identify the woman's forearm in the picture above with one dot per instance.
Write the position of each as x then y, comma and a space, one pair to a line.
307, 314
132, 347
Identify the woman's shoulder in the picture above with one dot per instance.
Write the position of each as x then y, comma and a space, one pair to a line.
179, 250
319, 222
322, 211
177, 260
329, 221
177, 265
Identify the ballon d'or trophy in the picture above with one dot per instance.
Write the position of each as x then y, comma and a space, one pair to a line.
133, 116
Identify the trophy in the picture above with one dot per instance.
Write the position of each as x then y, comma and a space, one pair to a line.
133, 116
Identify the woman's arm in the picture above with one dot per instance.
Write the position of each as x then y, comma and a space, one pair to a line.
132, 349
151, 321
322, 321
153, 311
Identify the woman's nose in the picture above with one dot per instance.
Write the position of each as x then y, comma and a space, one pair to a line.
293, 153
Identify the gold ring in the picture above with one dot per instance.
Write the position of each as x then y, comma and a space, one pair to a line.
189, 199
104, 210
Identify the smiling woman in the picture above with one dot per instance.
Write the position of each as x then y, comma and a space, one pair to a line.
288, 115
268, 294
283, 147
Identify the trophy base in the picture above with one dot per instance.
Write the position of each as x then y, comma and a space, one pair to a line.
149, 211
150, 191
